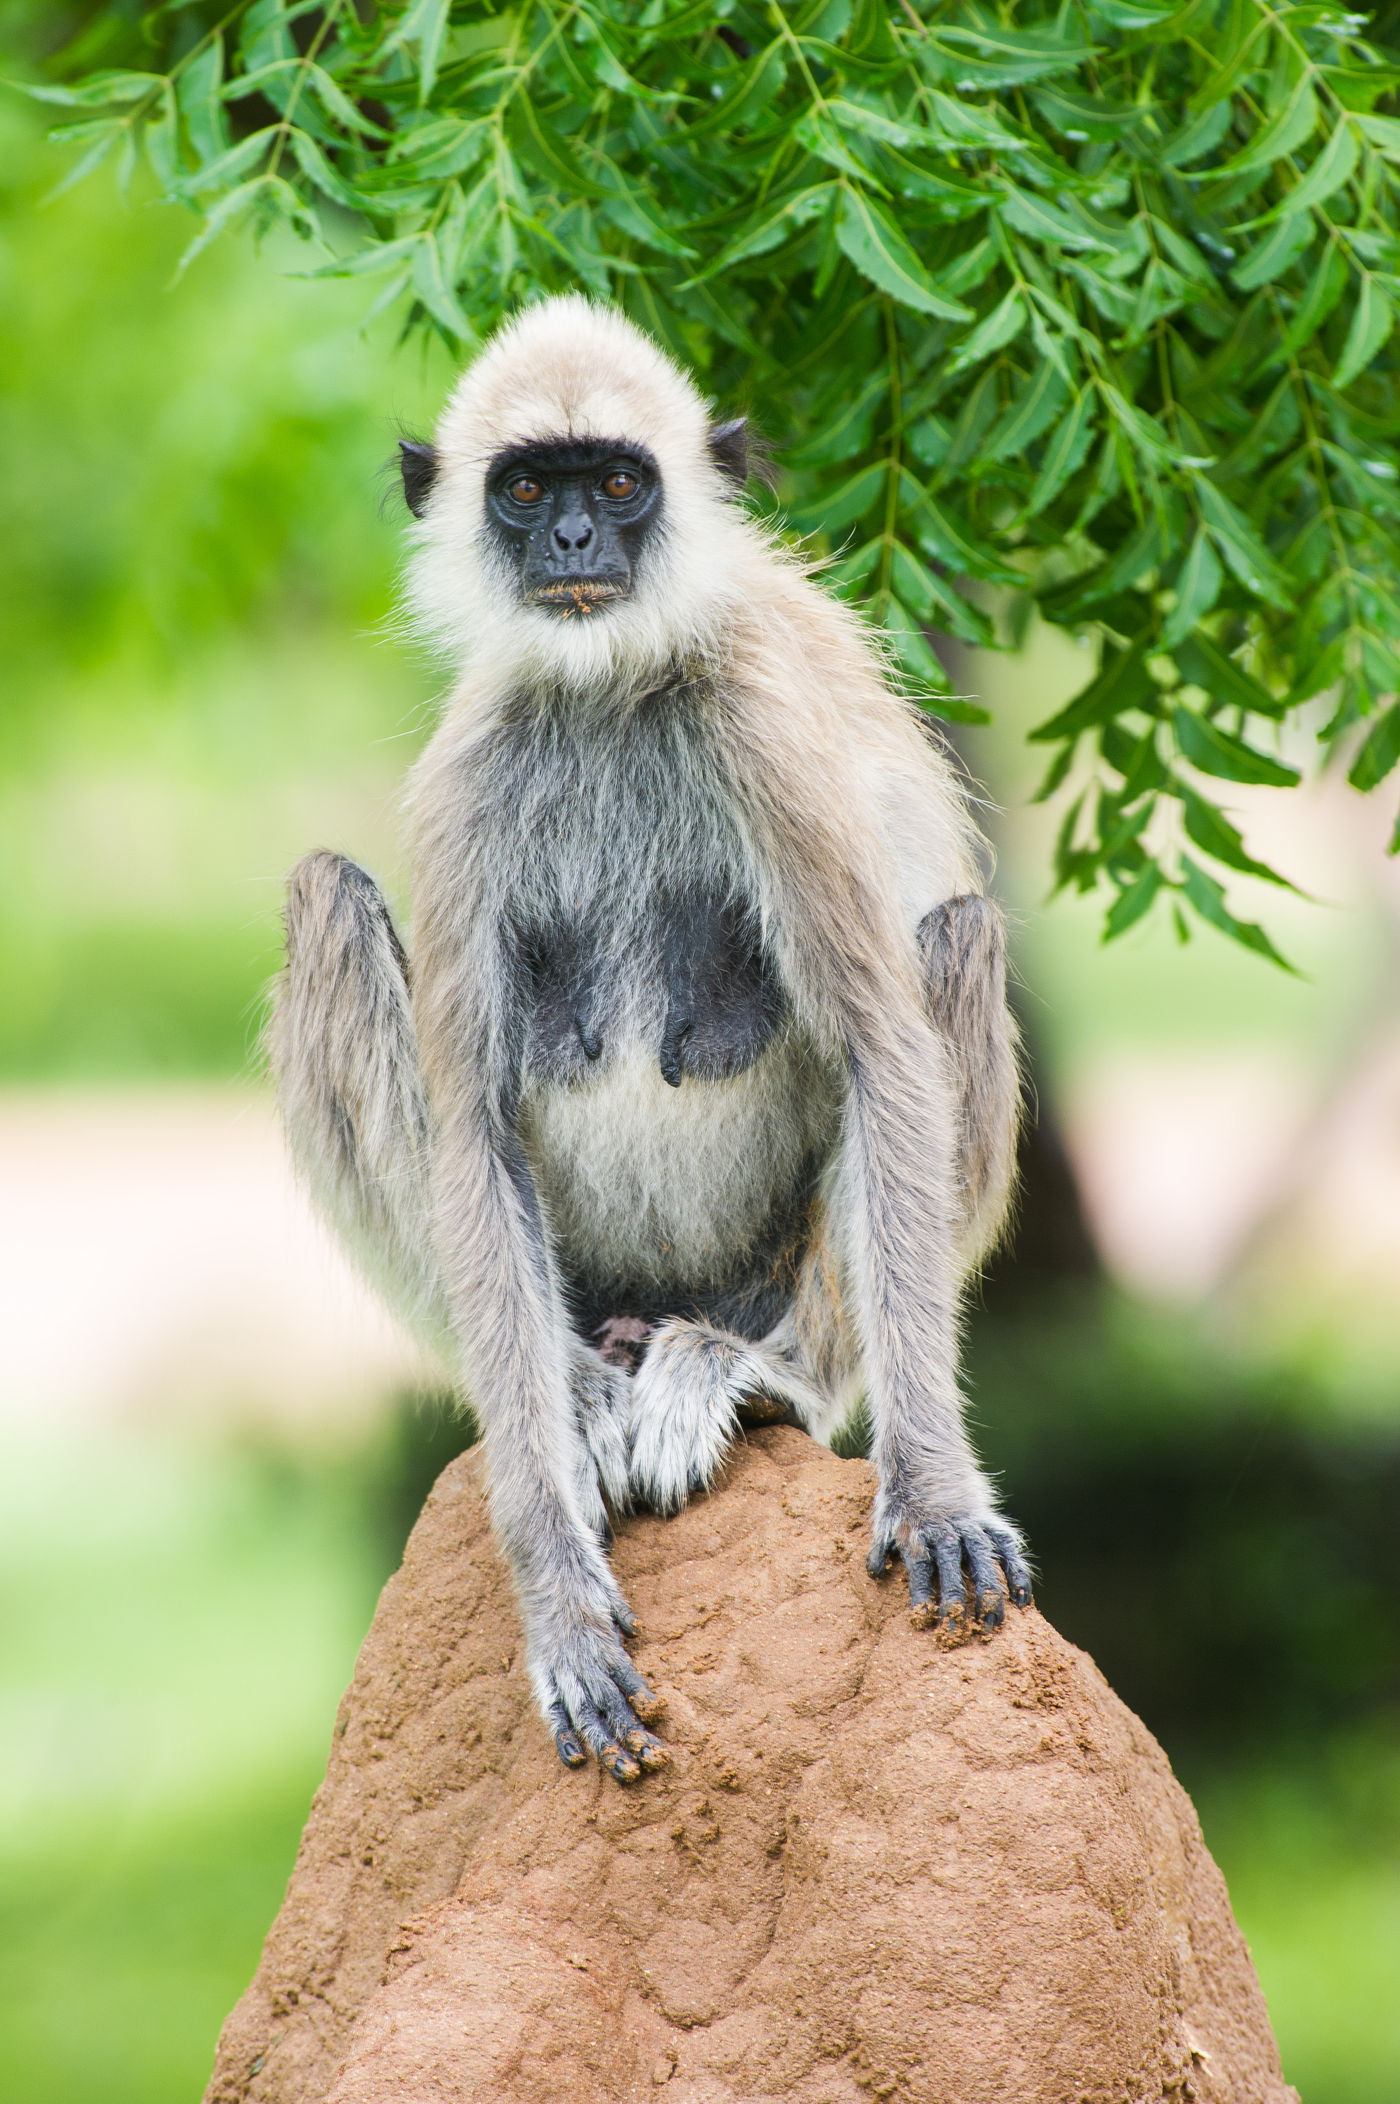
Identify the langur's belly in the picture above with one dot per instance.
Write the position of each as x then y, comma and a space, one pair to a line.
655, 1192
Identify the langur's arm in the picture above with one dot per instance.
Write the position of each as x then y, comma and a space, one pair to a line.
897, 1205
897, 1214
344, 1057
963, 947
518, 1356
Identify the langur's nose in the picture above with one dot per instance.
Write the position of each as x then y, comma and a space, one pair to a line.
573, 533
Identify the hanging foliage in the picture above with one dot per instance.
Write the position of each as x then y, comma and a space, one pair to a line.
1085, 307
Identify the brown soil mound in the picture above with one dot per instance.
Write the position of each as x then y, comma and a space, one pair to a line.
877, 1868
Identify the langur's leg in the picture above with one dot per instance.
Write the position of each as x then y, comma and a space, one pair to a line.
344, 1055
963, 946
695, 1386
603, 1405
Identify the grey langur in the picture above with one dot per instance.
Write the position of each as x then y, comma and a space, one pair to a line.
699, 1095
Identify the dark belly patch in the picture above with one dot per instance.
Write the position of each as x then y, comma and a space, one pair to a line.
723, 999
720, 999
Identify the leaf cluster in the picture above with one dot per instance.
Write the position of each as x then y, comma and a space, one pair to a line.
1085, 308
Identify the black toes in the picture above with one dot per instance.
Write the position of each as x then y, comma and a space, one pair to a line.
988, 1594
952, 1601
648, 1706
567, 1740
611, 1729
921, 1589
935, 1559
1018, 1578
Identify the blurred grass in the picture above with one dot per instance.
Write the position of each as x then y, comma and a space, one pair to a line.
197, 689
177, 1621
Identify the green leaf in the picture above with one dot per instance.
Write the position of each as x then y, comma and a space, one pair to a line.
107, 134
1197, 137
1383, 133
1002, 326
1056, 772
937, 602
97, 90
1281, 135
1212, 831
1325, 288
774, 225
1197, 590
197, 93
1333, 167
1123, 682
231, 209
1203, 664
912, 647
947, 543
424, 23
1370, 326
229, 166
757, 88
318, 170
1033, 410
872, 241
1042, 221
1208, 898
1064, 453
1380, 751
1276, 253
829, 513
824, 142
1216, 752
432, 287
1240, 545
542, 149
1132, 902
969, 126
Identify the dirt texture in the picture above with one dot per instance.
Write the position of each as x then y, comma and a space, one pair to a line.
877, 1868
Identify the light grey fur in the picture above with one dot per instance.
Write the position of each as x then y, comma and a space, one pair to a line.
739, 743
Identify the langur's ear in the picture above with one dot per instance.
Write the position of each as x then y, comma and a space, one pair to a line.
418, 465
729, 450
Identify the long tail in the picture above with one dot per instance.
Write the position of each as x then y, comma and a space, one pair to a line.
344, 1054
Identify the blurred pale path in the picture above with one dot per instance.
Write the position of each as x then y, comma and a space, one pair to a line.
158, 1260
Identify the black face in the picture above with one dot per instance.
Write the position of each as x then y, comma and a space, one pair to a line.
573, 516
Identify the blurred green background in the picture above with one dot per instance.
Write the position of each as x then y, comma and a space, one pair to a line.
1190, 1393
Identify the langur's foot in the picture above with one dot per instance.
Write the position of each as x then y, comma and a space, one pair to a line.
695, 1387
961, 1570
596, 1701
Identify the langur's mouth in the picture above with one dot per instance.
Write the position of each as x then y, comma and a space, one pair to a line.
577, 595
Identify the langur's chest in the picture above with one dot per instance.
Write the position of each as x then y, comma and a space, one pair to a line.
681, 973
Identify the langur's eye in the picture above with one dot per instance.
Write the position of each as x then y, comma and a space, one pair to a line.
525, 490
619, 484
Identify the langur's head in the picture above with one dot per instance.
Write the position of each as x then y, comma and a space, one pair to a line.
576, 503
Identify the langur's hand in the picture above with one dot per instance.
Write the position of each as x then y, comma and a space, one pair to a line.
595, 1699
961, 1567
